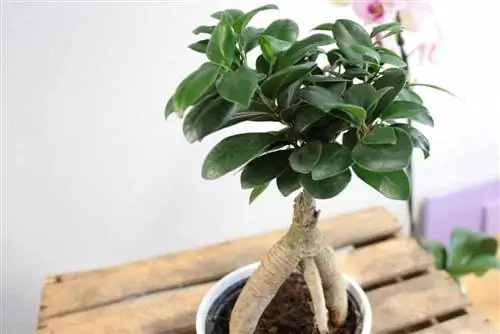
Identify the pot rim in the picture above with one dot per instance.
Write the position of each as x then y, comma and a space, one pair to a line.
246, 271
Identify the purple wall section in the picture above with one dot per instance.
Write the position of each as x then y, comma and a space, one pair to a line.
476, 208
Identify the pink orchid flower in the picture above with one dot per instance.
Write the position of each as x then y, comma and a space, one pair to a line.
374, 11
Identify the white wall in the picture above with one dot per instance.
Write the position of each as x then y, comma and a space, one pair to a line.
94, 176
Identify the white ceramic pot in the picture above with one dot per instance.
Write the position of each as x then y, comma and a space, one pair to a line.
246, 271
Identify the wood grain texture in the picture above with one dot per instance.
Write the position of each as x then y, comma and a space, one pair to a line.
410, 302
174, 311
466, 324
68, 293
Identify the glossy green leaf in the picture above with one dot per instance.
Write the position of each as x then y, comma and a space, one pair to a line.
286, 30
222, 45
418, 139
195, 85
241, 23
391, 26
478, 265
325, 27
356, 114
262, 66
337, 88
410, 110
437, 250
384, 158
334, 160
348, 34
350, 138
380, 135
233, 152
305, 116
300, 49
334, 56
170, 108
359, 73
393, 185
409, 95
238, 86
288, 182
366, 53
284, 78
326, 188
314, 79
434, 87
256, 192
233, 14
303, 159
319, 97
390, 57
288, 97
206, 117
271, 46
394, 78
264, 168
467, 244
251, 38
200, 46
362, 95
203, 30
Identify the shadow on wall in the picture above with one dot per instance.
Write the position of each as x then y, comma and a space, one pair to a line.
476, 208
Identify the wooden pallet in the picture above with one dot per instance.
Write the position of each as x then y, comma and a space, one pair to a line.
161, 295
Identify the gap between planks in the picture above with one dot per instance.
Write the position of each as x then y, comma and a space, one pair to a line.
65, 294
174, 311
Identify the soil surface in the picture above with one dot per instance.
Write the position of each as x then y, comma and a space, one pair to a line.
290, 312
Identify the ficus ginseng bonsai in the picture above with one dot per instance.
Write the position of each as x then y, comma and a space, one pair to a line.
340, 103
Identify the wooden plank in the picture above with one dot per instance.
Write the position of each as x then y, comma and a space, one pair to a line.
175, 310
466, 324
63, 294
410, 302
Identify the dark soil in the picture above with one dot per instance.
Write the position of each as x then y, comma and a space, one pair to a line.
289, 312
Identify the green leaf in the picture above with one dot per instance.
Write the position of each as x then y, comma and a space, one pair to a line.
239, 86
203, 30
393, 185
391, 26
326, 188
410, 110
350, 138
286, 30
467, 245
302, 48
170, 107
378, 95
314, 79
241, 23
438, 250
390, 57
221, 47
233, 14
264, 168
409, 95
352, 73
256, 192
303, 159
324, 26
195, 85
334, 160
200, 46
394, 78
434, 87
478, 265
366, 53
251, 38
362, 95
206, 117
288, 97
233, 152
417, 138
261, 65
348, 34
384, 158
305, 116
288, 182
380, 135
356, 114
337, 88
271, 46
284, 78
319, 97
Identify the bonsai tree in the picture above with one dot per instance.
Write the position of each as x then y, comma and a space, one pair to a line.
469, 253
340, 103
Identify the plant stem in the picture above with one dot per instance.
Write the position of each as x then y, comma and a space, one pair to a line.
413, 226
